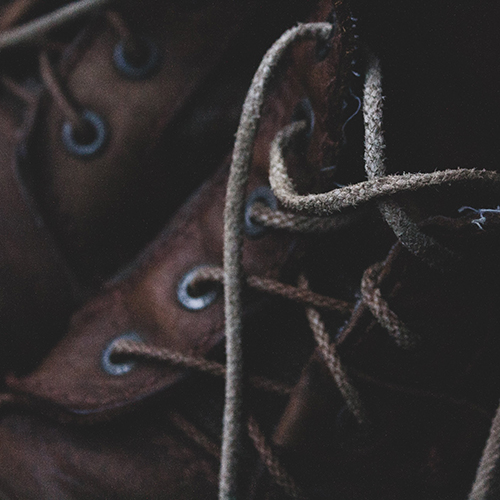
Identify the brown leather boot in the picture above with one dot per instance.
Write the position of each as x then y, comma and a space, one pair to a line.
153, 295
132, 109
103, 151
399, 389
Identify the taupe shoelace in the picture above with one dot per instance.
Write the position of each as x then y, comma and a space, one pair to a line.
378, 187
33, 31
313, 212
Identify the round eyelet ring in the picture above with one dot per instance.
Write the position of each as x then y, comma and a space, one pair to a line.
118, 369
86, 149
144, 68
304, 111
196, 302
264, 195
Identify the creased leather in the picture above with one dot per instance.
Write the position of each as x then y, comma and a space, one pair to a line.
103, 209
145, 301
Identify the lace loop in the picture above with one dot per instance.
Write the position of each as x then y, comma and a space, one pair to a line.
405, 229
58, 94
262, 196
191, 293
85, 133
354, 195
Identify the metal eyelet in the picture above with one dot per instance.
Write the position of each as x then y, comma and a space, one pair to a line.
111, 367
98, 140
144, 68
304, 111
196, 302
264, 195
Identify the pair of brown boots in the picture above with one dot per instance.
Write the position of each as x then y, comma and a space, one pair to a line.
369, 318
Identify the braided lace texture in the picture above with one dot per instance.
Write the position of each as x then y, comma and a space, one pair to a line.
233, 244
312, 210
313, 213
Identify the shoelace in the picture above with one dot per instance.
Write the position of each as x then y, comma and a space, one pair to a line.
378, 187
34, 30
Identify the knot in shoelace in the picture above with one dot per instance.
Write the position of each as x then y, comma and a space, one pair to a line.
379, 188
311, 213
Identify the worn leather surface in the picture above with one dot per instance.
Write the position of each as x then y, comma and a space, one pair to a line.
64, 218
143, 299
103, 209
77, 432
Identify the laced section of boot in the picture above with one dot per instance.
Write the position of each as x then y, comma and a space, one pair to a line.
84, 132
327, 349
378, 187
312, 212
